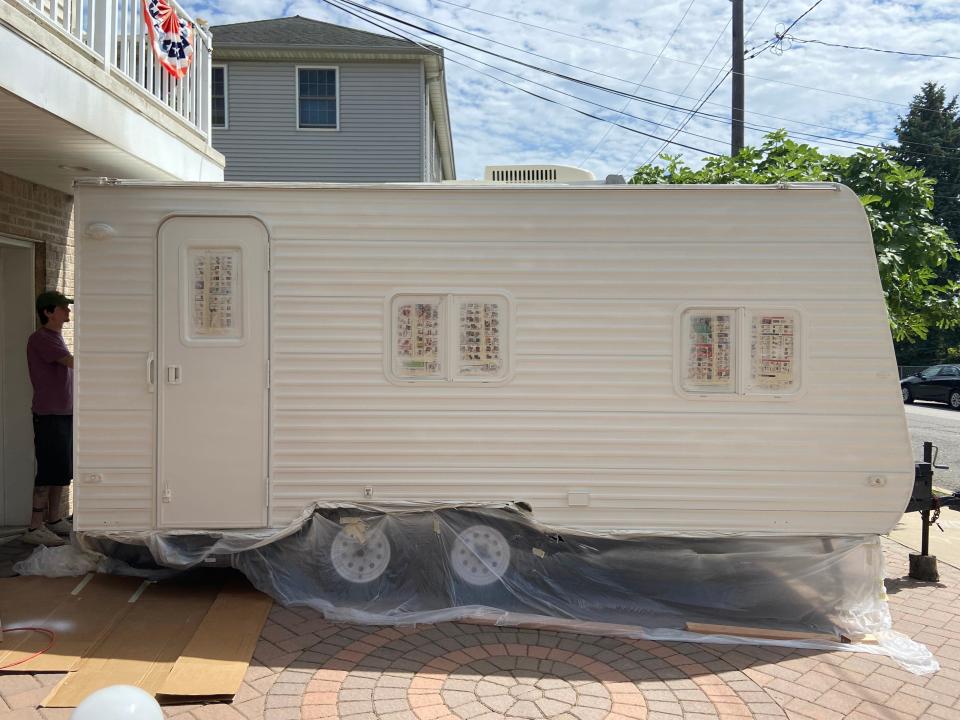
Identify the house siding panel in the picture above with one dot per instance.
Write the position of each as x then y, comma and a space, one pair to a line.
379, 139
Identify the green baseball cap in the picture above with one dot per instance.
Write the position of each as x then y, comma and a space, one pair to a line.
52, 298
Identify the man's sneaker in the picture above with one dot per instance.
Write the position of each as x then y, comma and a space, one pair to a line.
42, 536
61, 527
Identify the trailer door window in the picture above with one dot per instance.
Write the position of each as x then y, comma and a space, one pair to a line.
213, 297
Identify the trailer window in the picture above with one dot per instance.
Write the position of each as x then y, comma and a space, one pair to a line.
773, 352
709, 350
739, 352
214, 294
472, 330
418, 338
480, 338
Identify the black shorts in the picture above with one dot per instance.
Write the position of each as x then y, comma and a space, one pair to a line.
53, 446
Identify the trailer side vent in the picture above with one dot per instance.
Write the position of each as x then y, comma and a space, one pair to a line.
534, 174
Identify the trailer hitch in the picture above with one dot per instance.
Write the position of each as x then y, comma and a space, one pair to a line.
923, 566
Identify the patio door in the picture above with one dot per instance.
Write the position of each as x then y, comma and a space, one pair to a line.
212, 368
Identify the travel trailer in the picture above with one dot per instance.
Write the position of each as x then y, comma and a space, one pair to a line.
659, 360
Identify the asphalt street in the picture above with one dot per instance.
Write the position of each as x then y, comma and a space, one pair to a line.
941, 426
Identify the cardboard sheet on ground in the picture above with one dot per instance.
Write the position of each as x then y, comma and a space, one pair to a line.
216, 658
184, 640
80, 611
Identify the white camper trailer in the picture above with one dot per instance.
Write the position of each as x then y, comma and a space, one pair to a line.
660, 359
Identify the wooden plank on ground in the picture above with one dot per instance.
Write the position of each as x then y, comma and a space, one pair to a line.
215, 661
143, 647
762, 633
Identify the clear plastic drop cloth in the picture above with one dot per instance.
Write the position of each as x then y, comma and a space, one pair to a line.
415, 563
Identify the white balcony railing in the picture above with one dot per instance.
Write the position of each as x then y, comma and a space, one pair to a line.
115, 32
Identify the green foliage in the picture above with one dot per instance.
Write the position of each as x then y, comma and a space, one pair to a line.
898, 201
929, 137
930, 140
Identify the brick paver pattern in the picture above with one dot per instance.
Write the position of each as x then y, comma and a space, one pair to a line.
305, 667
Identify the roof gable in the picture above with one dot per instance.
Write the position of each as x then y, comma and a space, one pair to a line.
302, 31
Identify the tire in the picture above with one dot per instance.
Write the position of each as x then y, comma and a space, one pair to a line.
489, 554
907, 395
954, 400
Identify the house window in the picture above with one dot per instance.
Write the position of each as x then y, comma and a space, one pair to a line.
317, 99
218, 96
449, 338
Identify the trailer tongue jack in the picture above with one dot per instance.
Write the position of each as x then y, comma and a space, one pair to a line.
923, 566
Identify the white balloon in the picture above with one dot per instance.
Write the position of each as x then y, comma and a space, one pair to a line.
118, 702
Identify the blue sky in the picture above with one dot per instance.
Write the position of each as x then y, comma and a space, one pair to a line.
668, 51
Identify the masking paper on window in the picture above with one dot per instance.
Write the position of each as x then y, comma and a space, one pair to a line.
214, 291
710, 351
773, 351
480, 341
417, 339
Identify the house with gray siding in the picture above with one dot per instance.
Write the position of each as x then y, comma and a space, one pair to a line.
295, 99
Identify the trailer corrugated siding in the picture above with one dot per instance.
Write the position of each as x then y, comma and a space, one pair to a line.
597, 276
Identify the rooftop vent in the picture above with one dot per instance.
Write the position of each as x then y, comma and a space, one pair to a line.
535, 174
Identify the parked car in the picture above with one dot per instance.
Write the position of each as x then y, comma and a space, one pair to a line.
940, 383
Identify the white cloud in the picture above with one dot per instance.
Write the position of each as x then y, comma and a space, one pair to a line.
494, 123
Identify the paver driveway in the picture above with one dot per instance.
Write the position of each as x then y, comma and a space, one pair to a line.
305, 667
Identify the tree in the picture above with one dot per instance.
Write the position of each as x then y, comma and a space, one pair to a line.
898, 201
929, 137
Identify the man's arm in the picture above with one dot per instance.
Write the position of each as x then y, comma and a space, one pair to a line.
66, 360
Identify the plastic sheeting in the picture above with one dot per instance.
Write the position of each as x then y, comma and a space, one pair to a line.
415, 564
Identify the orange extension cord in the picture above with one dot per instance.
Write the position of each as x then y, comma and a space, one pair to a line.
49, 633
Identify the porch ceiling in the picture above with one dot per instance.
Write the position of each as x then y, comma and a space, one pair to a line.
35, 144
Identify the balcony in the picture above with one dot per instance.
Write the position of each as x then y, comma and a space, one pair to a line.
82, 93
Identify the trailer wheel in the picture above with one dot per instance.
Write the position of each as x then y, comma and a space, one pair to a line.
480, 555
907, 395
360, 557
955, 399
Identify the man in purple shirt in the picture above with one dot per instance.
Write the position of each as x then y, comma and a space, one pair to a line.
51, 373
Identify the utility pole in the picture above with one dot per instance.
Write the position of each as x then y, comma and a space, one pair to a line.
737, 97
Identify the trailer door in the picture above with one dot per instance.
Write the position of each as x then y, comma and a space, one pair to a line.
213, 378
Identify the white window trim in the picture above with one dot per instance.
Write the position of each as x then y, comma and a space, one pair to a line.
451, 339
226, 98
296, 96
742, 359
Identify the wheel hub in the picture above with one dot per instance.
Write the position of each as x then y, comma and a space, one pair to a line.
480, 555
360, 558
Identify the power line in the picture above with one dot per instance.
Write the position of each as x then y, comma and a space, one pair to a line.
679, 60
828, 140
793, 38
640, 84
337, 4
360, 5
705, 96
693, 77
802, 16
753, 52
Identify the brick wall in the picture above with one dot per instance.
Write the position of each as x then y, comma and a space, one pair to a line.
33, 212
44, 216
